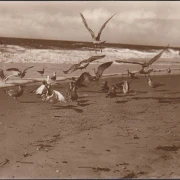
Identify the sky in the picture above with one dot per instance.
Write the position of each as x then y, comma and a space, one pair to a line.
144, 22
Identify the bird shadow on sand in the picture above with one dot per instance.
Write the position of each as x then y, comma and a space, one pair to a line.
68, 107
119, 102
30, 102
160, 99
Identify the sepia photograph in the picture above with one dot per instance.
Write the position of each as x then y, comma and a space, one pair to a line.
89, 89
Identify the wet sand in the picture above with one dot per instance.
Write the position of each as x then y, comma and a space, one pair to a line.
134, 137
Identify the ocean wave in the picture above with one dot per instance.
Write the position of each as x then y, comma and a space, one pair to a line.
13, 54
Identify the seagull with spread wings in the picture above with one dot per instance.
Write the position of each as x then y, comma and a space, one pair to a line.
19, 73
83, 64
96, 39
145, 66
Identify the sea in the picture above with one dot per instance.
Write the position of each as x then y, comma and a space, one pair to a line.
56, 56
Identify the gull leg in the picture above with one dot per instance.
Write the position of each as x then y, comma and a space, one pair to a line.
16, 99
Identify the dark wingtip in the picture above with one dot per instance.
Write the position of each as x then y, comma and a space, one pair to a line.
65, 72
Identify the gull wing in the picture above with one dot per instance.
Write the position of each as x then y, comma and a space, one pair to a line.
92, 58
40, 89
102, 67
72, 69
13, 69
129, 62
156, 57
103, 26
2, 76
86, 25
84, 76
60, 97
28, 68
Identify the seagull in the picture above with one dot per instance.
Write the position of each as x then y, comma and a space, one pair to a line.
119, 85
83, 64
145, 66
41, 72
72, 92
84, 76
132, 75
100, 70
154, 85
169, 70
54, 76
2, 76
40, 90
96, 39
19, 73
126, 87
105, 87
53, 96
50, 81
15, 93
112, 93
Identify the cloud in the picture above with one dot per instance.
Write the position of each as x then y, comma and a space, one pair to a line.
155, 23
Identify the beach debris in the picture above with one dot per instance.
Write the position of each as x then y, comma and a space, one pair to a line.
25, 162
65, 162
122, 164
96, 39
5, 162
27, 154
96, 169
136, 137
130, 175
42, 146
57, 171
168, 148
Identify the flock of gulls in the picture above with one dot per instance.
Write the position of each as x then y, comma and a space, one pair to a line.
49, 95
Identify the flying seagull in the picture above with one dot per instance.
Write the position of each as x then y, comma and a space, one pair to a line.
145, 66
98, 73
19, 73
96, 39
83, 64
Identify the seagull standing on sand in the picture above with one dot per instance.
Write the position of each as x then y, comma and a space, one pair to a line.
54, 76
2, 76
41, 72
72, 93
96, 39
15, 93
169, 70
112, 93
19, 73
105, 87
53, 96
126, 87
132, 75
154, 85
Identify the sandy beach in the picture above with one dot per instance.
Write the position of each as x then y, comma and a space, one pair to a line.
134, 137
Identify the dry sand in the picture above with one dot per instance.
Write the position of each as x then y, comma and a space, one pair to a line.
137, 136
